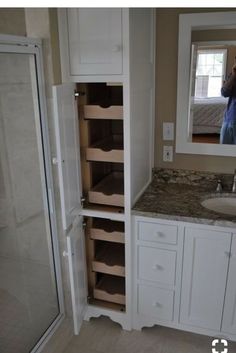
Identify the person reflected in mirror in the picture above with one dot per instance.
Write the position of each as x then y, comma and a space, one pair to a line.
228, 129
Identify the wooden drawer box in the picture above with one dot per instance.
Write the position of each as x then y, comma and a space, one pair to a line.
110, 258
155, 232
157, 265
111, 289
97, 112
106, 150
156, 302
110, 190
105, 229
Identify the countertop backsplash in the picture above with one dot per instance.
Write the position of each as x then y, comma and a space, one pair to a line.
191, 177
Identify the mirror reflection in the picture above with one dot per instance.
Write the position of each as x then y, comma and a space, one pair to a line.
212, 102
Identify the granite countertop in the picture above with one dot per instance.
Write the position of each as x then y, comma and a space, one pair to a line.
175, 195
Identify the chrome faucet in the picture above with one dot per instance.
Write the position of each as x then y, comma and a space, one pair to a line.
234, 182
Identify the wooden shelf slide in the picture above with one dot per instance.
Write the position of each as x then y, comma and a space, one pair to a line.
103, 208
105, 229
110, 259
114, 112
106, 304
109, 191
107, 150
111, 289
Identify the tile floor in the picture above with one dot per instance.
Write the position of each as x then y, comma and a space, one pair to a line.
103, 336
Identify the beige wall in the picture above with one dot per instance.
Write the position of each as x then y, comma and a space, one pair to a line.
12, 21
53, 23
215, 34
166, 92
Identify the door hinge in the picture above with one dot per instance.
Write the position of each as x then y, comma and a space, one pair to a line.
54, 160
84, 224
82, 200
65, 254
78, 94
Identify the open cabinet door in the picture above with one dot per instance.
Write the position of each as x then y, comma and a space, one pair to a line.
68, 157
77, 271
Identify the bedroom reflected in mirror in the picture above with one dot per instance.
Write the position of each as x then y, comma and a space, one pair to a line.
211, 65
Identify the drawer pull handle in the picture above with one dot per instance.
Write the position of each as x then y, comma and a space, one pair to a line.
160, 235
157, 305
157, 267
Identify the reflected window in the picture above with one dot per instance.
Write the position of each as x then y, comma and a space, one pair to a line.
210, 72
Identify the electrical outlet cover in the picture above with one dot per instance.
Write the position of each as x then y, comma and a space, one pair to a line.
168, 153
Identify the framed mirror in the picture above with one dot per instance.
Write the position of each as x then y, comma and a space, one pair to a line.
207, 52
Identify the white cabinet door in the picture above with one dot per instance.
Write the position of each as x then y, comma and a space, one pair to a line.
229, 318
68, 157
206, 258
77, 272
95, 41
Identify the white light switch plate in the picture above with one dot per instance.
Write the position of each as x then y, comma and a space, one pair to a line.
168, 153
168, 131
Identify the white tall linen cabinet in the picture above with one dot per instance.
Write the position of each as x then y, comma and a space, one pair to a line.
104, 123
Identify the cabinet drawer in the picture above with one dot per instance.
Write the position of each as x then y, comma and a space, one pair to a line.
105, 151
109, 258
156, 302
107, 230
161, 233
111, 289
114, 112
157, 265
109, 191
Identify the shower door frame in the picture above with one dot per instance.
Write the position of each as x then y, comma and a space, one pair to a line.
23, 45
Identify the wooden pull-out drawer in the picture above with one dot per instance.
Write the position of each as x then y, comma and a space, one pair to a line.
106, 150
110, 258
157, 265
114, 112
156, 302
161, 233
109, 191
111, 289
105, 229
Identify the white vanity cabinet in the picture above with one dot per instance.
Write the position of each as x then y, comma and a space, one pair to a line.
104, 113
93, 42
185, 276
157, 263
205, 267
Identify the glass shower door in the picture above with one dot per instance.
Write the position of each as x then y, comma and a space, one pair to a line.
29, 301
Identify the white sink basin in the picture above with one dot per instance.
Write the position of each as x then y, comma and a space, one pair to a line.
226, 205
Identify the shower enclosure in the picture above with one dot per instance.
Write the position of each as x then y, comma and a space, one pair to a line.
31, 302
